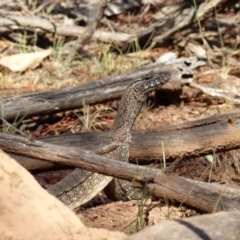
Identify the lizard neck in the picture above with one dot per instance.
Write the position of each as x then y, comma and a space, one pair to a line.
129, 107
131, 103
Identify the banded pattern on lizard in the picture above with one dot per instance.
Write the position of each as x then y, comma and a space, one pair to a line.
80, 186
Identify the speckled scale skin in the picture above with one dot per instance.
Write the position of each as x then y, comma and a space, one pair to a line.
81, 186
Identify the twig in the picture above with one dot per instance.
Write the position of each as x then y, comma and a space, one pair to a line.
24, 7
186, 17
215, 92
15, 129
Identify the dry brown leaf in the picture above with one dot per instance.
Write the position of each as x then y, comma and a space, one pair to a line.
23, 61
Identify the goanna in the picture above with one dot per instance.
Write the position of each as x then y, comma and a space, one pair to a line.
81, 186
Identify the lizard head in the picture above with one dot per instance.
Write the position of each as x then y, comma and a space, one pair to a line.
148, 83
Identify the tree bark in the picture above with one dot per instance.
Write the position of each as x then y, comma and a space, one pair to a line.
205, 196
192, 139
74, 97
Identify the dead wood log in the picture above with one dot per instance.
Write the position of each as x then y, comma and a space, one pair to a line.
205, 196
209, 197
74, 97
192, 139
181, 16
34, 22
218, 226
96, 9
101, 90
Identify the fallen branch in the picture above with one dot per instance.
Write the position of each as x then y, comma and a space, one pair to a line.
182, 16
205, 196
192, 139
75, 97
96, 8
36, 23
98, 91
216, 92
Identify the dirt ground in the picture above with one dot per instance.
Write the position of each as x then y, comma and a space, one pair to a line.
128, 217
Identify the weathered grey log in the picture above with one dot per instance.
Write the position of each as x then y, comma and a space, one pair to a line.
192, 139
209, 197
75, 97
205, 196
218, 226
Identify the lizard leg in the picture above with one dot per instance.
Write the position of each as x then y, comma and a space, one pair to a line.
128, 189
119, 189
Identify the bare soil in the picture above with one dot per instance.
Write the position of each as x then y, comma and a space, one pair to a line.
128, 217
